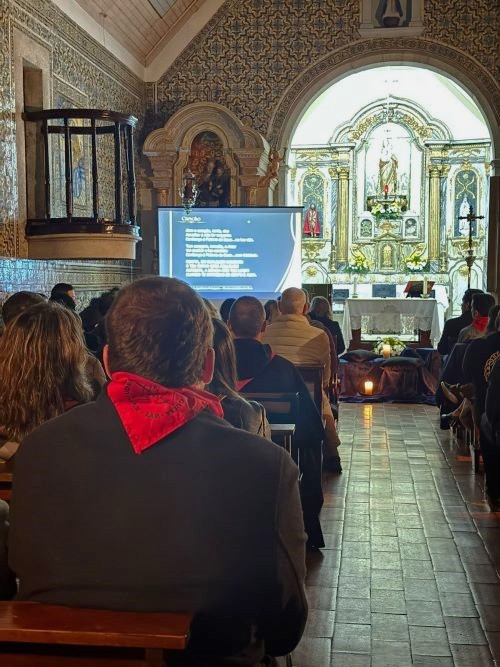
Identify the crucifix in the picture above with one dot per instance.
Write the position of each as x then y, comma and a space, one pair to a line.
470, 253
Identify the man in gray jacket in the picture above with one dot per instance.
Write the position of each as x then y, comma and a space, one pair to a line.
292, 336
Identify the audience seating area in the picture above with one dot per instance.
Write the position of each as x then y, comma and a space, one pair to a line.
382, 546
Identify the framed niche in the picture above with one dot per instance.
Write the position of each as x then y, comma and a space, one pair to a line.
67, 97
381, 18
410, 228
366, 228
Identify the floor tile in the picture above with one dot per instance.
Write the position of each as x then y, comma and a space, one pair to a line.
352, 638
409, 572
464, 630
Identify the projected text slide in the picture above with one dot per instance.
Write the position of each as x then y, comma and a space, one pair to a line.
231, 251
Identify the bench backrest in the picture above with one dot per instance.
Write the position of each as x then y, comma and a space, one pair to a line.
313, 379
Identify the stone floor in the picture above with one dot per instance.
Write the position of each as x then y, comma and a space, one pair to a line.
409, 575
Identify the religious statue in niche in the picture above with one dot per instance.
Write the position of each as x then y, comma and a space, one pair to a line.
466, 192
312, 226
393, 13
313, 192
388, 169
207, 163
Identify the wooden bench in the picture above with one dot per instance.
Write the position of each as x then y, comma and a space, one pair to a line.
37, 634
6, 472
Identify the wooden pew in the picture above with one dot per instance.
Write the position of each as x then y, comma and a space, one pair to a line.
6, 473
34, 634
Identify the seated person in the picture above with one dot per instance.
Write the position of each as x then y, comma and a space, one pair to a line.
42, 366
293, 337
480, 307
93, 367
18, 302
492, 325
225, 309
158, 504
272, 310
63, 288
490, 439
454, 325
248, 415
480, 357
321, 311
259, 370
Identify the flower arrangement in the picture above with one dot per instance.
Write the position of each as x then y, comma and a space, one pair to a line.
416, 264
389, 210
358, 265
397, 346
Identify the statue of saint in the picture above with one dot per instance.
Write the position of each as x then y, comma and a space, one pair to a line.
463, 225
312, 226
388, 170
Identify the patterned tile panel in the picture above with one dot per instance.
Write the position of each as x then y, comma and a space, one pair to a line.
80, 64
250, 52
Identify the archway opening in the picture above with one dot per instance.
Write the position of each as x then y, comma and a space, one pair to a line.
392, 157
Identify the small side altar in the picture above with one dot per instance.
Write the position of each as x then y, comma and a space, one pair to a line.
386, 315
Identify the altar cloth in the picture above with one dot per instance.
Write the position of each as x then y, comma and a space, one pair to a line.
386, 316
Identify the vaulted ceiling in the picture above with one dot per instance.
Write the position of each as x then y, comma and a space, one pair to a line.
142, 27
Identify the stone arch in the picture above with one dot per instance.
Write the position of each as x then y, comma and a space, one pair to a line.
447, 60
246, 151
384, 51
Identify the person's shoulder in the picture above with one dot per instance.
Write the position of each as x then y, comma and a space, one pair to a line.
59, 434
249, 445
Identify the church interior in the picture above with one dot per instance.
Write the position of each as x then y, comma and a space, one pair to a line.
378, 121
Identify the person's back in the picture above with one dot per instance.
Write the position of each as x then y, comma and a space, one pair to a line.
207, 519
292, 336
321, 311
479, 359
480, 307
454, 325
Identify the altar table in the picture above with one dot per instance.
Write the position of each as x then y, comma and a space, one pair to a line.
385, 316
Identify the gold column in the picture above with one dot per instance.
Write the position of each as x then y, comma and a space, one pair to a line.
434, 211
343, 215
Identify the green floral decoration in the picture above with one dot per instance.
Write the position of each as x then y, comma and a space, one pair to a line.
397, 346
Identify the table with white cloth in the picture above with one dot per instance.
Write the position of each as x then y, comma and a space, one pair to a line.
386, 316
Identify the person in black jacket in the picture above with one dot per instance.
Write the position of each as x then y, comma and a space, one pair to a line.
260, 370
321, 311
148, 500
490, 438
248, 415
454, 325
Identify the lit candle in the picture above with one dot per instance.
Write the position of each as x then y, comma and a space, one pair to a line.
424, 291
368, 387
386, 350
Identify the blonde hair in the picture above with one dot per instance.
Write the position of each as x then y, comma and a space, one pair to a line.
42, 365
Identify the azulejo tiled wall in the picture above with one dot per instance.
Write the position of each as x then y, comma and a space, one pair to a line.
251, 51
80, 64
88, 278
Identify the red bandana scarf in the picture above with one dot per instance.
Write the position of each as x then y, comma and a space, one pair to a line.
149, 411
480, 323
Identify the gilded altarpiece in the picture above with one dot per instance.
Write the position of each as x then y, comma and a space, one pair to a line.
390, 188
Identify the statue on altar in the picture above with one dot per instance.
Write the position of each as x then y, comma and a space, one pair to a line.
463, 223
388, 169
312, 227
